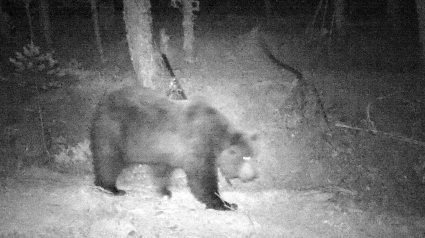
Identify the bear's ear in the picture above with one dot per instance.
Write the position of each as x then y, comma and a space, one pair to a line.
236, 138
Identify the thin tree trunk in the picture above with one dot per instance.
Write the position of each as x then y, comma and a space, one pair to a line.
340, 15
420, 6
95, 17
138, 22
310, 27
4, 26
27, 10
45, 22
188, 23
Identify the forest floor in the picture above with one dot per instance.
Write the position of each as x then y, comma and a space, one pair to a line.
361, 176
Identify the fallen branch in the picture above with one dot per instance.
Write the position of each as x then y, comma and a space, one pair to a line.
391, 135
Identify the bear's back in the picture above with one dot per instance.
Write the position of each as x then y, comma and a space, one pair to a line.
154, 127
147, 107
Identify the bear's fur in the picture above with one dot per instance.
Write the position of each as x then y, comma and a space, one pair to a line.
135, 125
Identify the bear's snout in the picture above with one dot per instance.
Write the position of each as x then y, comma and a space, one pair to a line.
247, 172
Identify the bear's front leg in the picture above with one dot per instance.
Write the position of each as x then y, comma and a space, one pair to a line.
204, 186
107, 165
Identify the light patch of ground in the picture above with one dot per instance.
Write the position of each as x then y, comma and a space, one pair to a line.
42, 203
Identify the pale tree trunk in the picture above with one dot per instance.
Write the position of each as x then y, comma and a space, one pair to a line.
340, 15
45, 22
393, 13
164, 40
95, 17
420, 6
138, 22
4, 26
189, 6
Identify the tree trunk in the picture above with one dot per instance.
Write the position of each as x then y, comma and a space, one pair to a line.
138, 22
27, 10
95, 17
4, 26
420, 6
340, 15
45, 22
188, 23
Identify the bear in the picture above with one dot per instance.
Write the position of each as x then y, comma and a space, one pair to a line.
136, 125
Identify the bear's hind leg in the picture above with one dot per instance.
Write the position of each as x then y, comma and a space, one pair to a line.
162, 173
204, 186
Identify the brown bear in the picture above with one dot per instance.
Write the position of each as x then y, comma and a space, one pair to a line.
135, 125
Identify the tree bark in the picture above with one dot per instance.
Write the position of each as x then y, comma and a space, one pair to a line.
28, 12
138, 22
4, 26
340, 15
188, 23
420, 6
95, 18
45, 22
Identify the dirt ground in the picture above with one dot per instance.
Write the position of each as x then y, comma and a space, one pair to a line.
361, 176
42, 203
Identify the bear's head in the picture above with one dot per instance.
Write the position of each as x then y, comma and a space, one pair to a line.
237, 161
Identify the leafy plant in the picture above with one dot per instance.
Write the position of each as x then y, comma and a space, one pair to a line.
35, 68
38, 72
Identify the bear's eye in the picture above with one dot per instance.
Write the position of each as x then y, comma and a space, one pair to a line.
254, 137
246, 158
232, 152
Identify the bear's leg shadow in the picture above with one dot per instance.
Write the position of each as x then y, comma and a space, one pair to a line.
108, 164
202, 180
162, 174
